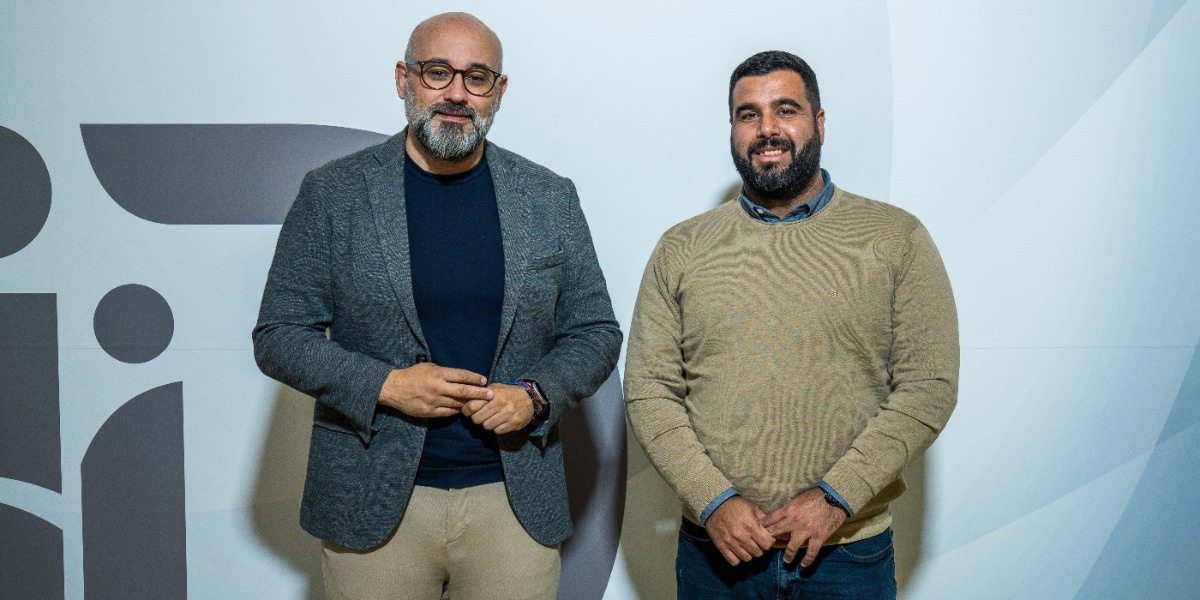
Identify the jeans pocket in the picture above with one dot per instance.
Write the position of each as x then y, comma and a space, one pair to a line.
870, 550
694, 532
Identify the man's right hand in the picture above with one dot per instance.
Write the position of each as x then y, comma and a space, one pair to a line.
426, 390
734, 528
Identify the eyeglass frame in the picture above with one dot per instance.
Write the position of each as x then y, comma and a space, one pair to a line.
461, 73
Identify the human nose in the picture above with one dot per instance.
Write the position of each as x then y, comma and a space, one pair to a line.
768, 126
457, 90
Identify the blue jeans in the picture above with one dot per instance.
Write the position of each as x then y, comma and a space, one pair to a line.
862, 570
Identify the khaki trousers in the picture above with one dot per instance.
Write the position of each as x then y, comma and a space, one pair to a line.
466, 543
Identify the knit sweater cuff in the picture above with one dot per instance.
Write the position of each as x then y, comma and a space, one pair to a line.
853, 489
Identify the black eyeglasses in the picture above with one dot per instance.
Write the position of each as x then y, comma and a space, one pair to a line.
437, 75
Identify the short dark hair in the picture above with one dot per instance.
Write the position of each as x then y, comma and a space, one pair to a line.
777, 60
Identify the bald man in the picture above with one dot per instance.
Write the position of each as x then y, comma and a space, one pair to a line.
441, 300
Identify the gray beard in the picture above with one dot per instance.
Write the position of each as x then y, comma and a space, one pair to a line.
450, 142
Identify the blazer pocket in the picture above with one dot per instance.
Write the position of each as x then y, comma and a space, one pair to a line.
327, 418
547, 261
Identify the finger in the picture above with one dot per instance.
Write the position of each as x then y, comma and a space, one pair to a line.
462, 376
491, 423
454, 404
499, 421
811, 555
463, 391
478, 418
789, 554
740, 552
473, 406
764, 539
442, 411
775, 528
770, 520
485, 412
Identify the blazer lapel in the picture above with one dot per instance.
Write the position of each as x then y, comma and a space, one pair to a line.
385, 184
515, 209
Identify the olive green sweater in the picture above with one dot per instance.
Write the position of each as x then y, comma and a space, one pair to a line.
770, 356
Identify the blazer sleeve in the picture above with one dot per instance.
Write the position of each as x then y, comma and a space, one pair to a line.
290, 340
587, 338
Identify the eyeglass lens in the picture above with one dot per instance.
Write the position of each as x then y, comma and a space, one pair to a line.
477, 81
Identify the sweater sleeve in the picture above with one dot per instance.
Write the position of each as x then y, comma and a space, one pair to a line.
923, 369
655, 390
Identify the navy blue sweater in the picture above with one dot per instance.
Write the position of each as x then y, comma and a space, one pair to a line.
457, 262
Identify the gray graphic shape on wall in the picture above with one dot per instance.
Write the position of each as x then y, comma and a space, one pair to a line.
30, 446
31, 557
24, 192
213, 174
133, 323
134, 529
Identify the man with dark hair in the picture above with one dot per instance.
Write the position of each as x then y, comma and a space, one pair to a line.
441, 300
791, 352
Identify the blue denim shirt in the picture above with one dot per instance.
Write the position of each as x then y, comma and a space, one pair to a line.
803, 211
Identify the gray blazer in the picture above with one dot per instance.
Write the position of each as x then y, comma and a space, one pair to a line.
342, 265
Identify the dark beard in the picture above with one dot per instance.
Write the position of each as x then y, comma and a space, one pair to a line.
775, 183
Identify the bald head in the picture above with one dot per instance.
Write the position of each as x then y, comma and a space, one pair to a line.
425, 38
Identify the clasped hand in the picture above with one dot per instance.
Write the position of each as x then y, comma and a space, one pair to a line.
426, 390
742, 531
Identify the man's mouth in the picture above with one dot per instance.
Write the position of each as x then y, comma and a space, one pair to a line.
771, 153
453, 113
771, 150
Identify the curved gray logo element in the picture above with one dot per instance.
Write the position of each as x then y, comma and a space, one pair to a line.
24, 192
133, 323
134, 518
31, 557
213, 174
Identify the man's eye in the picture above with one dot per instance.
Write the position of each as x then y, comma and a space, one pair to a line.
477, 78
747, 116
439, 73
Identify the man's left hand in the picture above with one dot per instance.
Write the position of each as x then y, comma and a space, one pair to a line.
806, 519
509, 410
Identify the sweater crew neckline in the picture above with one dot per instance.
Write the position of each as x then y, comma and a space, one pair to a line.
835, 202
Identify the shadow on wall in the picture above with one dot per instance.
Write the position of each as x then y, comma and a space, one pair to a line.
649, 531
275, 506
908, 524
731, 193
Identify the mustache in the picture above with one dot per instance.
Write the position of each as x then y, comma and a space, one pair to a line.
449, 108
773, 142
